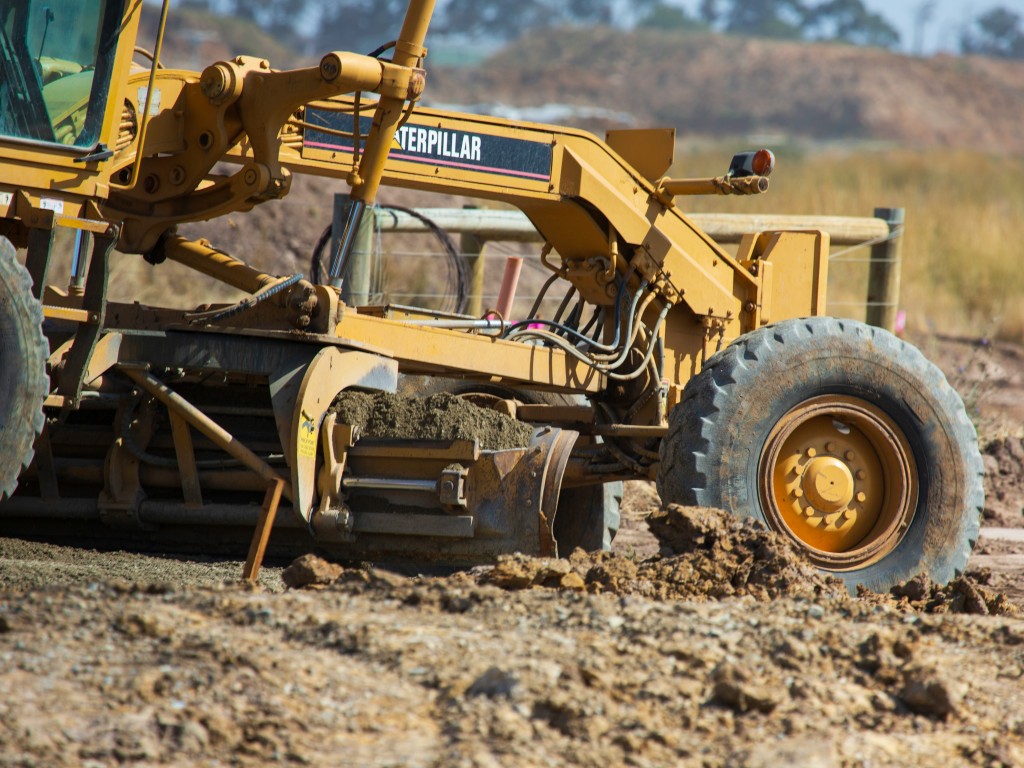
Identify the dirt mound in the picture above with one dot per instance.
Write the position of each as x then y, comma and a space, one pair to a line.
706, 555
965, 594
735, 85
736, 557
438, 417
1004, 482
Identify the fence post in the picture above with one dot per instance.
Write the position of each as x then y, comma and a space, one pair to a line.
355, 290
472, 249
884, 272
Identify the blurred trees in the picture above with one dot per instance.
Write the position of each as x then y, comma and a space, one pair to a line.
995, 33
361, 25
847, 21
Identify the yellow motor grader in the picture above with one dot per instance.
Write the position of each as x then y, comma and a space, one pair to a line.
716, 374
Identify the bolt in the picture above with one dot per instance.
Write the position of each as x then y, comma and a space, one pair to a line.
811, 452
850, 455
862, 497
529, 502
448, 485
861, 474
830, 447
250, 176
798, 493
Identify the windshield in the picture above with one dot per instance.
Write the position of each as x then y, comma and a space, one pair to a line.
55, 65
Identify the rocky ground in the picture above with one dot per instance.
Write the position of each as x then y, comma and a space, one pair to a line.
724, 649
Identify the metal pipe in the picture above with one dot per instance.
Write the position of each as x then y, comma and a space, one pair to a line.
79, 263
509, 283
484, 325
503, 225
229, 515
625, 430
723, 185
217, 434
389, 484
345, 242
144, 123
202, 257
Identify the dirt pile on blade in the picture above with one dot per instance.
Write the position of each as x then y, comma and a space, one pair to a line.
438, 417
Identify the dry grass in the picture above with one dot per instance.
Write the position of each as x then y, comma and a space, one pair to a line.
962, 272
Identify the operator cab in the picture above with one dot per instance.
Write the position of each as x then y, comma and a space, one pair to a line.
56, 60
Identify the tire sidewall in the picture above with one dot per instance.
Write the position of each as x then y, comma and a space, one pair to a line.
23, 380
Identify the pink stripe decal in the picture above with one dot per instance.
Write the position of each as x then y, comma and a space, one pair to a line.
434, 161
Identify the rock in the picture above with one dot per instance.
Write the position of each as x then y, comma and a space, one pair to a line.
494, 683
966, 598
513, 572
310, 570
572, 581
915, 590
805, 751
733, 688
685, 529
927, 691
612, 573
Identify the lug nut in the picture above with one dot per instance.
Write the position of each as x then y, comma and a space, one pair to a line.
862, 497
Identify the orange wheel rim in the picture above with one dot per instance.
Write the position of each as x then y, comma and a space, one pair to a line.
837, 476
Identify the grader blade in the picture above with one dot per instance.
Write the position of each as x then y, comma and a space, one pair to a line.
385, 497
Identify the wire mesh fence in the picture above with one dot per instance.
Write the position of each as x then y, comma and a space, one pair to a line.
410, 268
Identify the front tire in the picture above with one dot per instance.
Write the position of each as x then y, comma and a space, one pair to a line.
839, 436
23, 380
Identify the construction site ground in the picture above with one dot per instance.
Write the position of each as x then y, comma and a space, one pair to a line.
725, 649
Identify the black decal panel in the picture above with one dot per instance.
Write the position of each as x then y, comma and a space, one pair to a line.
431, 145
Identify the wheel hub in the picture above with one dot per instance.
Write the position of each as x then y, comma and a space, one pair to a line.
837, 476
828, 484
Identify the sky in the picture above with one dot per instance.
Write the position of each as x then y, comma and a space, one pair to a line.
941, 31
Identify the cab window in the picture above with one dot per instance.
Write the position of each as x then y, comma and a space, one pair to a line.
56, 58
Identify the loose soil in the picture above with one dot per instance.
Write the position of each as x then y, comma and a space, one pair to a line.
712, 655
701, 640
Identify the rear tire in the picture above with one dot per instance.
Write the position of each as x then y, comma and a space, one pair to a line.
841, 437
587, 517
23, 380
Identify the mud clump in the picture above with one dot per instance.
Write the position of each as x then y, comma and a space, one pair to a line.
966, 594
710, 552
441, 416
